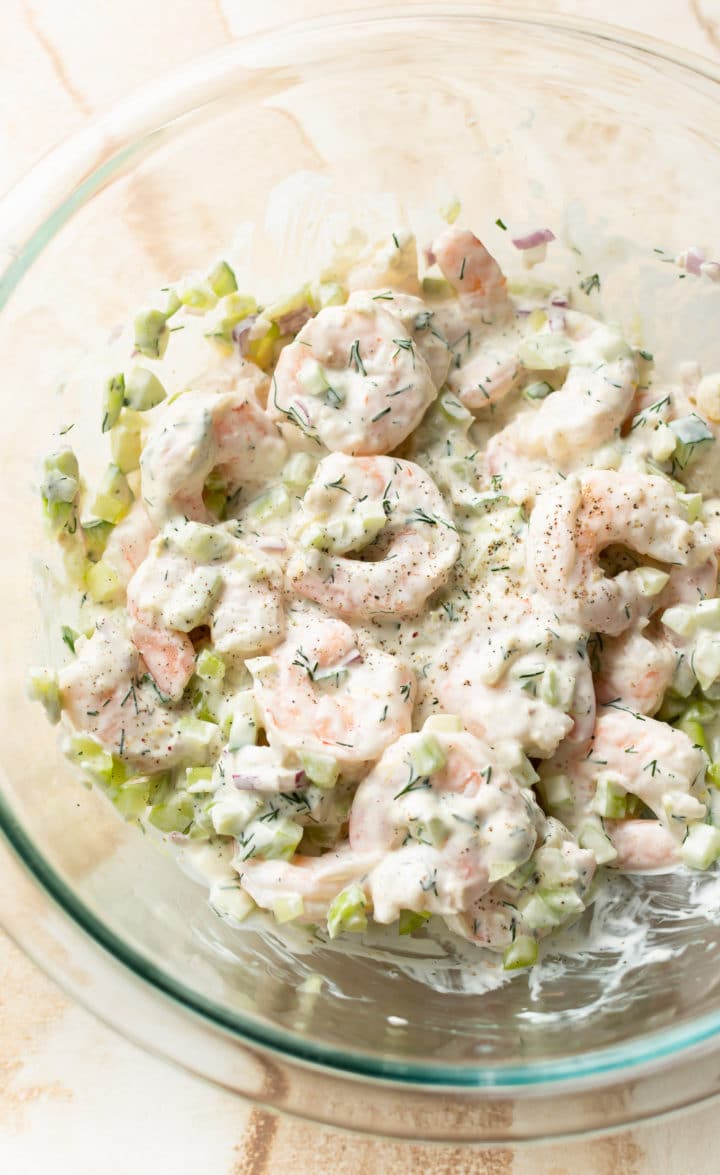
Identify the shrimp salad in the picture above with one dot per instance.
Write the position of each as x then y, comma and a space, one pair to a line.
398, 597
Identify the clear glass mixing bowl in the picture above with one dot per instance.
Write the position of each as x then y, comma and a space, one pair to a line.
276, 144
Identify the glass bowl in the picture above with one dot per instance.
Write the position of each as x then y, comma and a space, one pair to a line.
270, 148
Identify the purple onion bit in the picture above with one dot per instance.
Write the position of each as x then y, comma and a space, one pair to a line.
241, 332
541, 236
291, 323
285, 780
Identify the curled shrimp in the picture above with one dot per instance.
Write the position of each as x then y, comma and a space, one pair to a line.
472, 272
129, 542
317, 880
495, 920
635, 669
522, 681
642, 846
394, 515
321, 693
448, 828
107, 692
637, 755
417, 323
195, 575
200, 432
355, 378
570, 423
571, 525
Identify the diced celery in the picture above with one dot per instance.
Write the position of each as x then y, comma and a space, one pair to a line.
243, 729
299, 470
545, 351
313, 378
706, 659
409, 921
89, 754
427, 755
701, 846
113, 400
681, 619
175, 814
288, 907
454, 410
131, 797
231, 901
347, 911
609, 800
199, 780
197, 736
652, 581
233, 810
43, 688
272, 502
691, 432
523, 952
286, 836
694, 730
126, 445
210, 665
556, 688
215, 495
261, 350
557, 791
222, 279
713, 774
287, 307
203, 544
197, 295
329, 294
563, 902
662, 443
445, 723
451, 210
96, 534
692, 505
672, 707
322, 770
114, 496
537, 319
536, 913
500, 869
233, 309
143, 390
151, 332
437, 287
593, 838
103, 583
59, 489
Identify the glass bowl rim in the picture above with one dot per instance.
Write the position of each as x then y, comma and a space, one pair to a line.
81, 165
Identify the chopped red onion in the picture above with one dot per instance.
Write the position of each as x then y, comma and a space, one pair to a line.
241, 332
692, 259
556, 319
301, 411
430, 257
558, 298
287, 780
541, 236
711, 269
292, 322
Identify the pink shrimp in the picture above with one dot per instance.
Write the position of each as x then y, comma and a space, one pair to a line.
129, 542
471, 270
642, 846
316, 880
635, 671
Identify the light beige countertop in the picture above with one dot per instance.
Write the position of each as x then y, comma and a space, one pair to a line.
75, 1098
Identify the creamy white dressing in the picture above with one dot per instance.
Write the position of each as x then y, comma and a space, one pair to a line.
378, 524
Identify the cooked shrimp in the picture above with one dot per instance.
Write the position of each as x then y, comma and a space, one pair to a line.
195, 575
585, 413
635, 670
417, 322
317, 880
355, 378
447, 819
471, 270
486, 377
642, 846
517, 681
394, 514
571, 525
321, 693
197, 433
495, 920
639, 755
129, 542
107, 692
